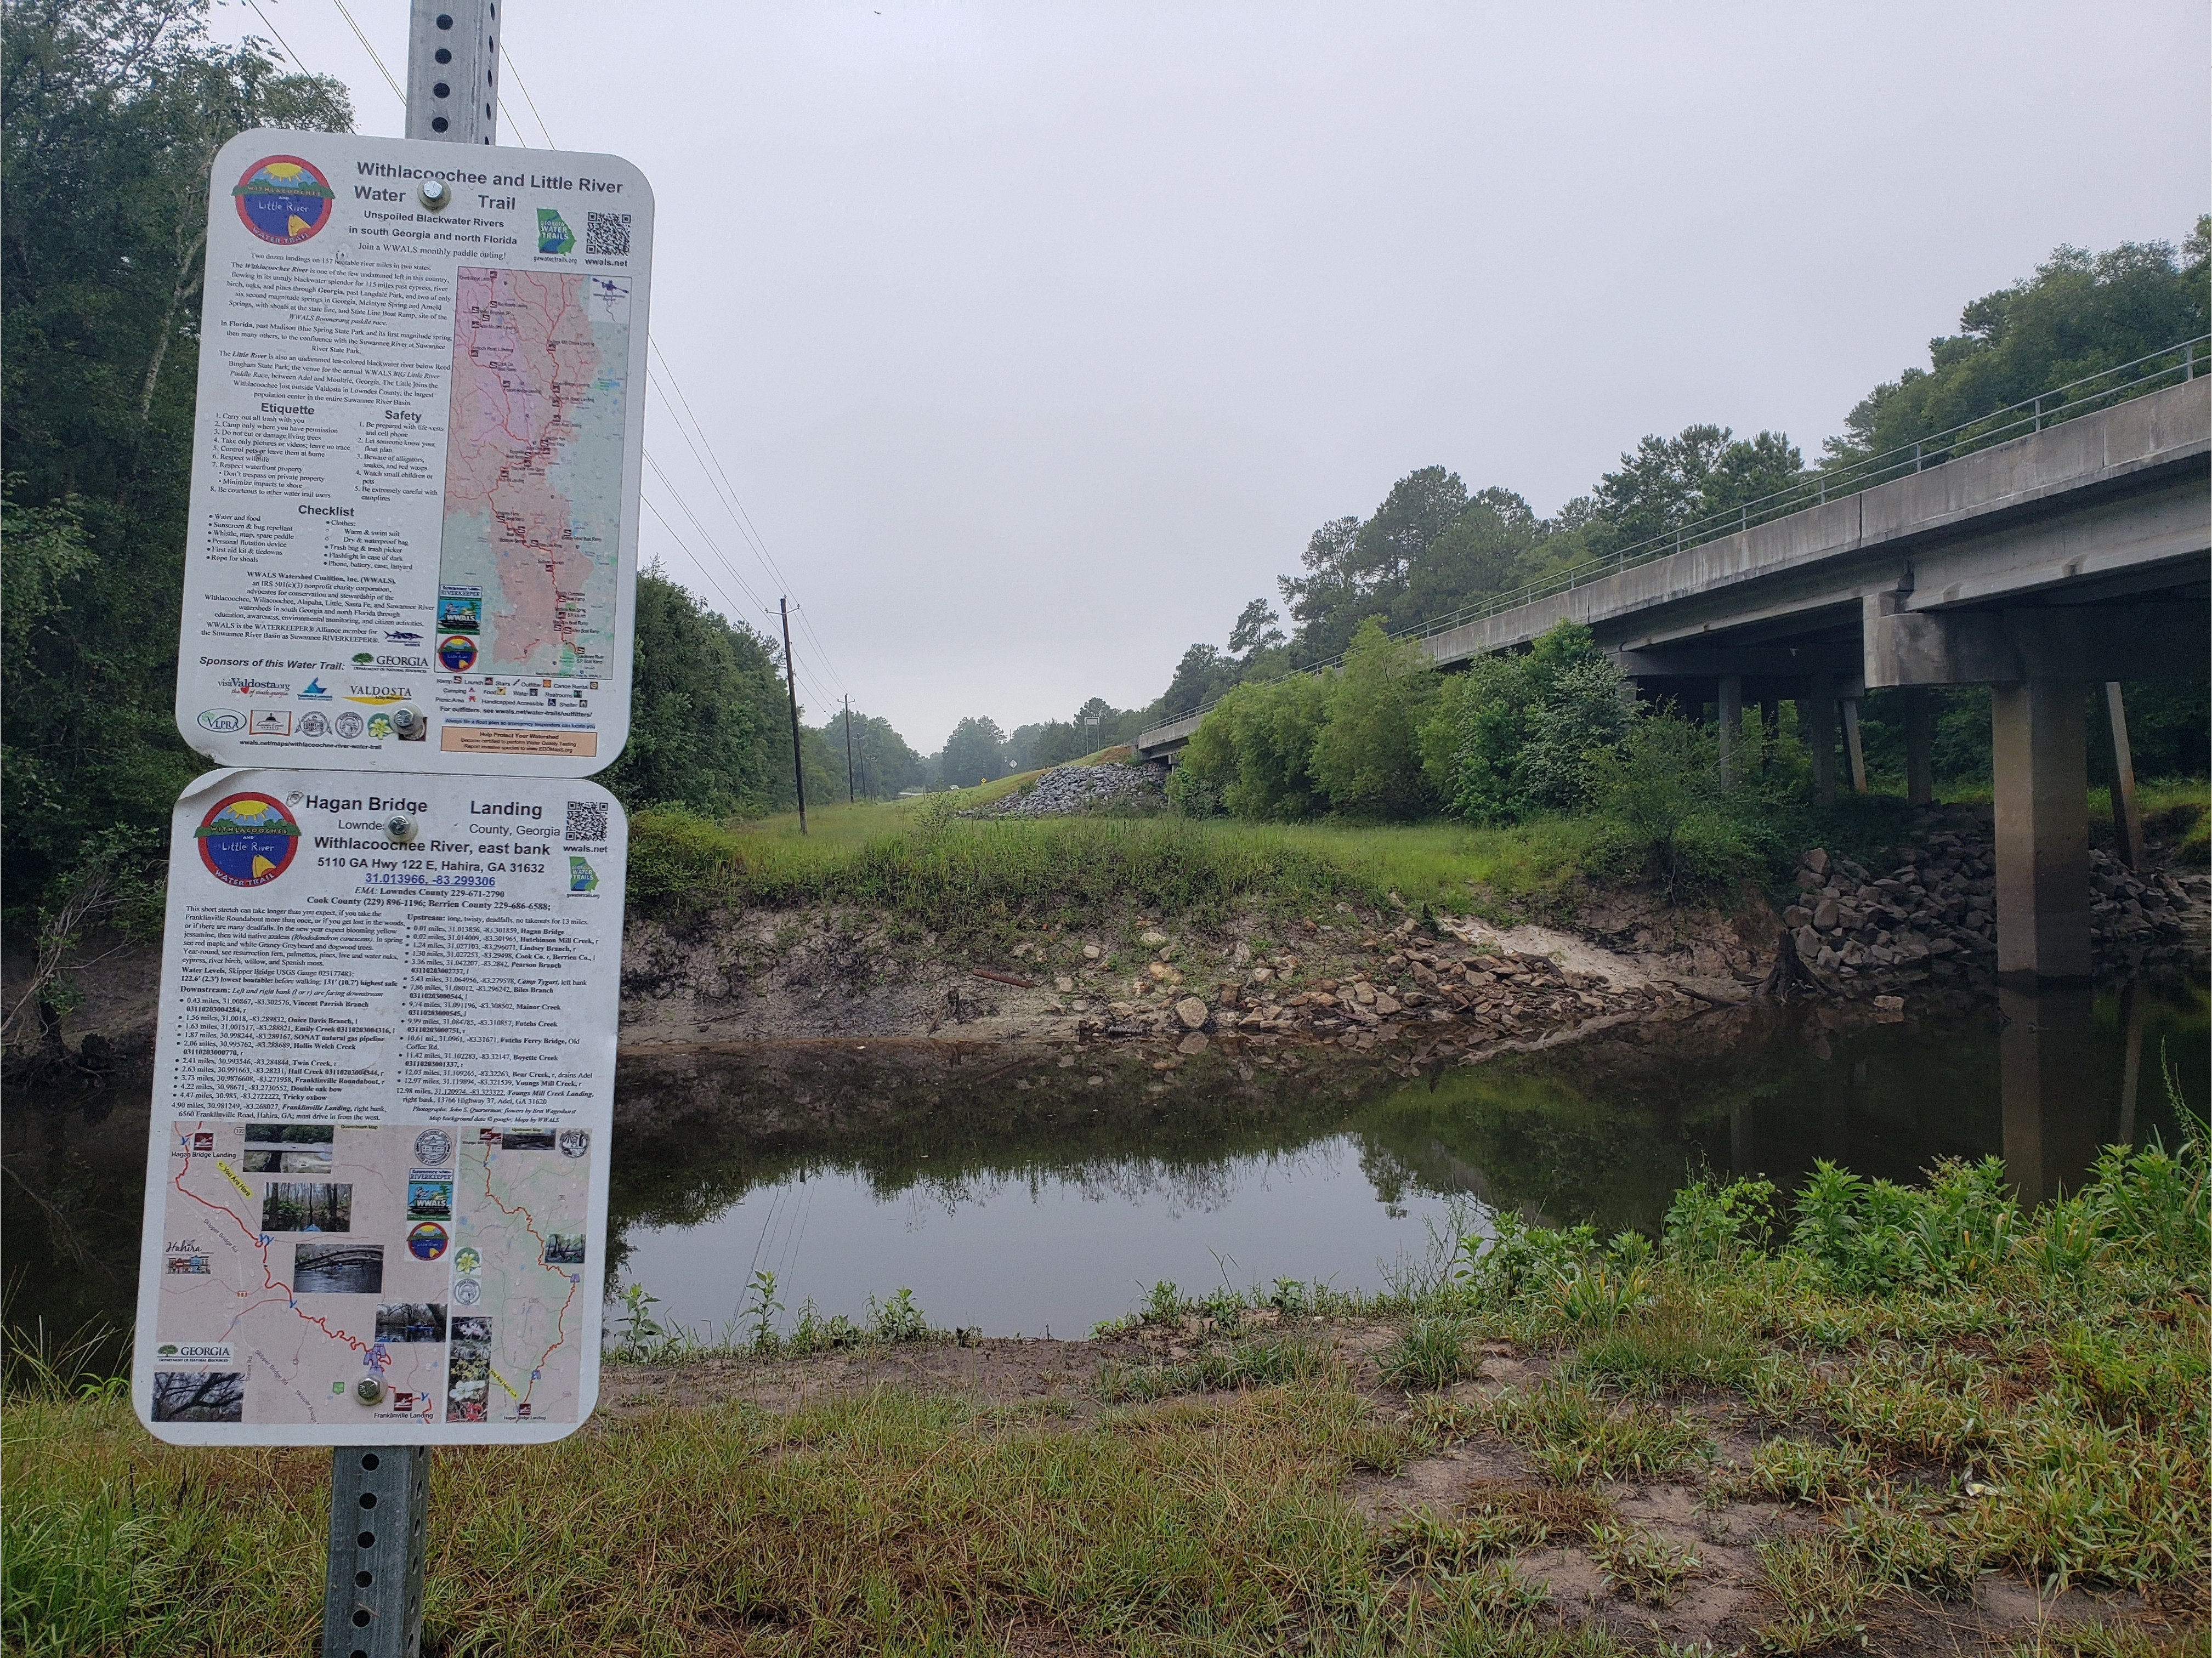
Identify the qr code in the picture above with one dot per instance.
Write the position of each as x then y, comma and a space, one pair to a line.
606, 232
588, 820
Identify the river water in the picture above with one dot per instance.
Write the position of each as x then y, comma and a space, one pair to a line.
1009, 1191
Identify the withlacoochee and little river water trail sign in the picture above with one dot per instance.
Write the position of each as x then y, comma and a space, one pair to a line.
384, 1085
413, 535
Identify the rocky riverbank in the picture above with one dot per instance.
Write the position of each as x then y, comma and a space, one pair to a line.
1937, 906
1918, 921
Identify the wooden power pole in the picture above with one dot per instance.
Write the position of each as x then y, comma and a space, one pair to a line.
791, 684
851, 795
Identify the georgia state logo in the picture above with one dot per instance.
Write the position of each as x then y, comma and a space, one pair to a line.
283, 199
247, 840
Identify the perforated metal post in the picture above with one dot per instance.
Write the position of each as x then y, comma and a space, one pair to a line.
380, 1494
452, 71
373, 1590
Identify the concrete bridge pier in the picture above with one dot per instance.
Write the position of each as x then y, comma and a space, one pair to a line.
1919, 748
2041, 764
2047, 1062
1817, 711
1731, 727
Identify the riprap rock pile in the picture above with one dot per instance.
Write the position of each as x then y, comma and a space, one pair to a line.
1066, 789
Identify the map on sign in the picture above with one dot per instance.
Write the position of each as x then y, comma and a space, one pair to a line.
383, 1085
300, 1258
533, 471
412, 538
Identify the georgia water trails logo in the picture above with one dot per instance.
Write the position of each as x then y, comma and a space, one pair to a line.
247, 840
283, 199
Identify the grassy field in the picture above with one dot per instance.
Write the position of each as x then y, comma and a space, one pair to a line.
919, 858
1938, 1385
953, 874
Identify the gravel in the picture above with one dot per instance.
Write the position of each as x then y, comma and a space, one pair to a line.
1938, 900
1067, 789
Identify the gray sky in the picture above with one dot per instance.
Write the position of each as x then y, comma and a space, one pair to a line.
1037, 338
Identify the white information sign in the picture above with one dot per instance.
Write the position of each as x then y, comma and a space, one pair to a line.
413, 538
383, 1086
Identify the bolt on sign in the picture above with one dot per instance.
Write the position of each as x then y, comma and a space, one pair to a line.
383, 1087
413, 533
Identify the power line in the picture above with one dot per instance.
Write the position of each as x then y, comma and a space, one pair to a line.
370, 49
705, 535
718, 479
543, 130
735, 609
280, 40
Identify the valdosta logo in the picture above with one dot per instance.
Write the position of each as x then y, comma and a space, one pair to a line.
247, 840
283, 199
223, 720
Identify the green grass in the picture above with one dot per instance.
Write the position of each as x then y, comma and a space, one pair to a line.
956, 876
1430, 1353
2041, 1413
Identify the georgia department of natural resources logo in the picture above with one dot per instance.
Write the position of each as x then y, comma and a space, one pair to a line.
247, 840
283, 199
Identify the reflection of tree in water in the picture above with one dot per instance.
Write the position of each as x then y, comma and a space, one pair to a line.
199, 1396
1604, 1130
1187, 1188
306, 1205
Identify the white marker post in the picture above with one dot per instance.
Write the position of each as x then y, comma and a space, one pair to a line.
376, 1192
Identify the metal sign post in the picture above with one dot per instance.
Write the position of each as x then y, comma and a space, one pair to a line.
377, 1180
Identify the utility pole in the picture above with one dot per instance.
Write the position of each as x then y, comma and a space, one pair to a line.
851, 795
379, 1494
791, 684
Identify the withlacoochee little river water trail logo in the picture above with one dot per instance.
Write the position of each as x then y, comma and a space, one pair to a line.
247, 840
283, 199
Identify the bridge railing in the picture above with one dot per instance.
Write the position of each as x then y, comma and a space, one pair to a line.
2176, 364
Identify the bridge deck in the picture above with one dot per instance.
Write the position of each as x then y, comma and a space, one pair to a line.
2107, 505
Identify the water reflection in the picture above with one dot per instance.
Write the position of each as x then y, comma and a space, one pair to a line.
1013, 1192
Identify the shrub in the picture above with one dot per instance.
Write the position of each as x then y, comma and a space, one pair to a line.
1706, 1223
1514, 735
1252, 756
1432, 1353
1367, 757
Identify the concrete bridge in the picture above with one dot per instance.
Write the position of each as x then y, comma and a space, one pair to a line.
2076, 556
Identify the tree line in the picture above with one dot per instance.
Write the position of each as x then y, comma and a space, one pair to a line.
1432, 546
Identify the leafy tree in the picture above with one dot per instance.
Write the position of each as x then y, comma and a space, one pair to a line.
1514, 734
1367, 759
2079, 313
113, 111
1255, 630
1420, 506
1325, 598
1202, 674
1253, 754
1484, 552
883, 763
1668, 483
972, 752
709, 726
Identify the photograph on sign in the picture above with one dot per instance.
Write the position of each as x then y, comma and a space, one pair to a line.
383, 1088
413, 532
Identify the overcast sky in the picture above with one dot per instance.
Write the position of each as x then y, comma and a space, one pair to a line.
1036, 339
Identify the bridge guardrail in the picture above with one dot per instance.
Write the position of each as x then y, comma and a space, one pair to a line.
2173, 366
